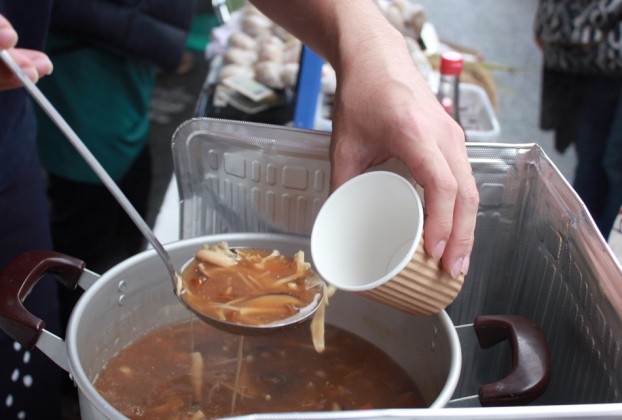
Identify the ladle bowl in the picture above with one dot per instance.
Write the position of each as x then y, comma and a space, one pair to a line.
245, 329
102, 174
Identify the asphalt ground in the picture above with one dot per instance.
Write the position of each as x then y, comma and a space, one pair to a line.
502, 31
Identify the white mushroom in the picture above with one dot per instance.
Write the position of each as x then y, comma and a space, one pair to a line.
395, 17
269, 73
329, 79
240, 56
242, 40
291, 51
256, 24
416, 20
215, 257
289, 75
237, 70
270, 52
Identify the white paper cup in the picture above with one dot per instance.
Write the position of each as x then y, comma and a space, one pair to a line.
367, 238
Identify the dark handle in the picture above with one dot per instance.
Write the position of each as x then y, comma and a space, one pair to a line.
531, 364
17, 280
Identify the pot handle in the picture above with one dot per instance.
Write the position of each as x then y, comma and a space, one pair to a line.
17, 280
531, 364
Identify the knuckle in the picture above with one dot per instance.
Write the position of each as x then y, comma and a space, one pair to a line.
469, 195
448, 184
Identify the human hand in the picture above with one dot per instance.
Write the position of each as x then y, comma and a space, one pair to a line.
383, 109
34, 63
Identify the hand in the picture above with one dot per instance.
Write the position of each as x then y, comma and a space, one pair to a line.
34, 63
384, 108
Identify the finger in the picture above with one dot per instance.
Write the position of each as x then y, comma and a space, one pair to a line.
456, 256
34, 64
25, 63
440, 189
8, 36
35, 59
447, 238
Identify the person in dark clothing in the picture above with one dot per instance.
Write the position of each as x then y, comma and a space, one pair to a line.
105, 55
129, 40
582, 96
29, 381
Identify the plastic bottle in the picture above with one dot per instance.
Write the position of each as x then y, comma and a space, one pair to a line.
449, 84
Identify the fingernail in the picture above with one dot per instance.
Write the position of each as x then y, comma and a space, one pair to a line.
32, 74
8, 36
456, 269
44, 62
465, 264
438, 250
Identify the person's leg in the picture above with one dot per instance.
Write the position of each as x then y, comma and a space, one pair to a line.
89, 224
599, 103
83, 220
136, 186
612, 163
29, 381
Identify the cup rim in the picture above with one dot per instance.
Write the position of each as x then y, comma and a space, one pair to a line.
418, 234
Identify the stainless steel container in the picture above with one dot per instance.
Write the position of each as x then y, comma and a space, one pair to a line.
537, 251
537, 254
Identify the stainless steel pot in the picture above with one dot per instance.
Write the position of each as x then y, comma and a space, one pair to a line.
136, 296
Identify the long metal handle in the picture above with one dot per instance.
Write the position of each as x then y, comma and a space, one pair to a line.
90, 159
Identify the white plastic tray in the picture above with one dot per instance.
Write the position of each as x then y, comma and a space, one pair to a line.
477, 116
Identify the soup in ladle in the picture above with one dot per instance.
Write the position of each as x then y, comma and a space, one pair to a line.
249, 286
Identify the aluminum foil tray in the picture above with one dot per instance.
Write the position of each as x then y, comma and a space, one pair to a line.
537, 253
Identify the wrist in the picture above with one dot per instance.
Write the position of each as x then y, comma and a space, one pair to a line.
361, 33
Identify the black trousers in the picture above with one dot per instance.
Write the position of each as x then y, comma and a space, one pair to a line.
89, 224
30, 383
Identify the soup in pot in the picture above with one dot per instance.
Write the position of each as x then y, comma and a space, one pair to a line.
190, 370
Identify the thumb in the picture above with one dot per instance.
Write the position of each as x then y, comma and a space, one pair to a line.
8, 36
345, 160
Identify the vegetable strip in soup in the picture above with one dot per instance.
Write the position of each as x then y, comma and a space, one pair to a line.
249, 286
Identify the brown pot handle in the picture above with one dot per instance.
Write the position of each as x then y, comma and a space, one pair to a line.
17, 280
531, 364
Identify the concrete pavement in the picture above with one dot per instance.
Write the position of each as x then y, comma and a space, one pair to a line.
502, 30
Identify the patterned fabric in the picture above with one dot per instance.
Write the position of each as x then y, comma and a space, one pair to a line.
581, 36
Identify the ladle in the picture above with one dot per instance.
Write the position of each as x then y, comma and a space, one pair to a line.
50, 110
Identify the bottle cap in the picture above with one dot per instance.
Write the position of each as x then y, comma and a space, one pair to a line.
451, 63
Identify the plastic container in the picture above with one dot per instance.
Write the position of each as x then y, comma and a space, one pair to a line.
477, 116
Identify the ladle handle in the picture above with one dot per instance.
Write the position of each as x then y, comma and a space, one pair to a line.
99, 170
531, 361
17, 280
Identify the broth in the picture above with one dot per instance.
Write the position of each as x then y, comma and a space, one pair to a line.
248, 286
158, 377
